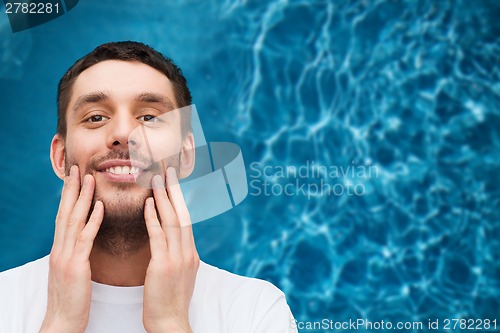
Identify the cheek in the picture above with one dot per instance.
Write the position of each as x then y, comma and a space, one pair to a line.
160, 146
80, 150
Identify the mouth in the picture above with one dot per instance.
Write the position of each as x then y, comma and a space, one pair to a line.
121, 170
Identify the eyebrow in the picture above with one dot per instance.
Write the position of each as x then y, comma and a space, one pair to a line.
90, 98
156, 98
98, 97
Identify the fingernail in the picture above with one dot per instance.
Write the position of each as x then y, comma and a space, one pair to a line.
171, 172
86, 180
149, 202
157, 182
72, 171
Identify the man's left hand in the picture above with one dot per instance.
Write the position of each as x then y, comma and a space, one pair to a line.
171, 273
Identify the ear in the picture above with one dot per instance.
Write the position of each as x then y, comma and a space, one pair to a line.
57, 156
187, 156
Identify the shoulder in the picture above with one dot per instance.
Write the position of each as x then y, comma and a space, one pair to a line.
31, 274
238, 303
39, 265
216, 282
24, 296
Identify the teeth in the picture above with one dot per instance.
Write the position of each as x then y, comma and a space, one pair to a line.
123, 170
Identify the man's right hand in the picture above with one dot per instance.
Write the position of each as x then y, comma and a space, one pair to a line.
69, 287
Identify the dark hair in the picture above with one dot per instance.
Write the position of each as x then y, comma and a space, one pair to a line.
125, 51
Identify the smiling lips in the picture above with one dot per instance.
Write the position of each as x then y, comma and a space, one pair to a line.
123, 170
120, 170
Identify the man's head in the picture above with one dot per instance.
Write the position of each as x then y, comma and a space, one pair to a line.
130, 52
102, 99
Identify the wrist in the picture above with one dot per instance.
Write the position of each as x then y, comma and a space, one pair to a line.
170, 326
54, 326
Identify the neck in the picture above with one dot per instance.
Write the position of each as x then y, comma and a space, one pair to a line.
126, 270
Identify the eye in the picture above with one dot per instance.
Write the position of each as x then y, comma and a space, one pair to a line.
96, 118
148, 119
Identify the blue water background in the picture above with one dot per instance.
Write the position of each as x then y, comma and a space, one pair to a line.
411, 88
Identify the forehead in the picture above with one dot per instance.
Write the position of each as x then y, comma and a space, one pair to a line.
122, 80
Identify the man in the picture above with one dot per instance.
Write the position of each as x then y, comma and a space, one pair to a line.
124, 257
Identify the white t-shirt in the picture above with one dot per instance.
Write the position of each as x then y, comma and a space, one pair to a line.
222, 302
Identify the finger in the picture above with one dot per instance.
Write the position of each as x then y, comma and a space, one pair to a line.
157, 241
69, 196
168, 217
80, 213
179, 204
175, 194
87, 236
187, 239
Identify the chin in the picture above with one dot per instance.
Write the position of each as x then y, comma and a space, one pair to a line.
127, 197
123, 229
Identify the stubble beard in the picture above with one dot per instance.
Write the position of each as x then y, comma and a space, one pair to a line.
123, 229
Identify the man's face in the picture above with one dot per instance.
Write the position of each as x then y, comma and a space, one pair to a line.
109, 100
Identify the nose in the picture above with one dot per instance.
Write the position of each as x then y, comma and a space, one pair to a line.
120, 132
